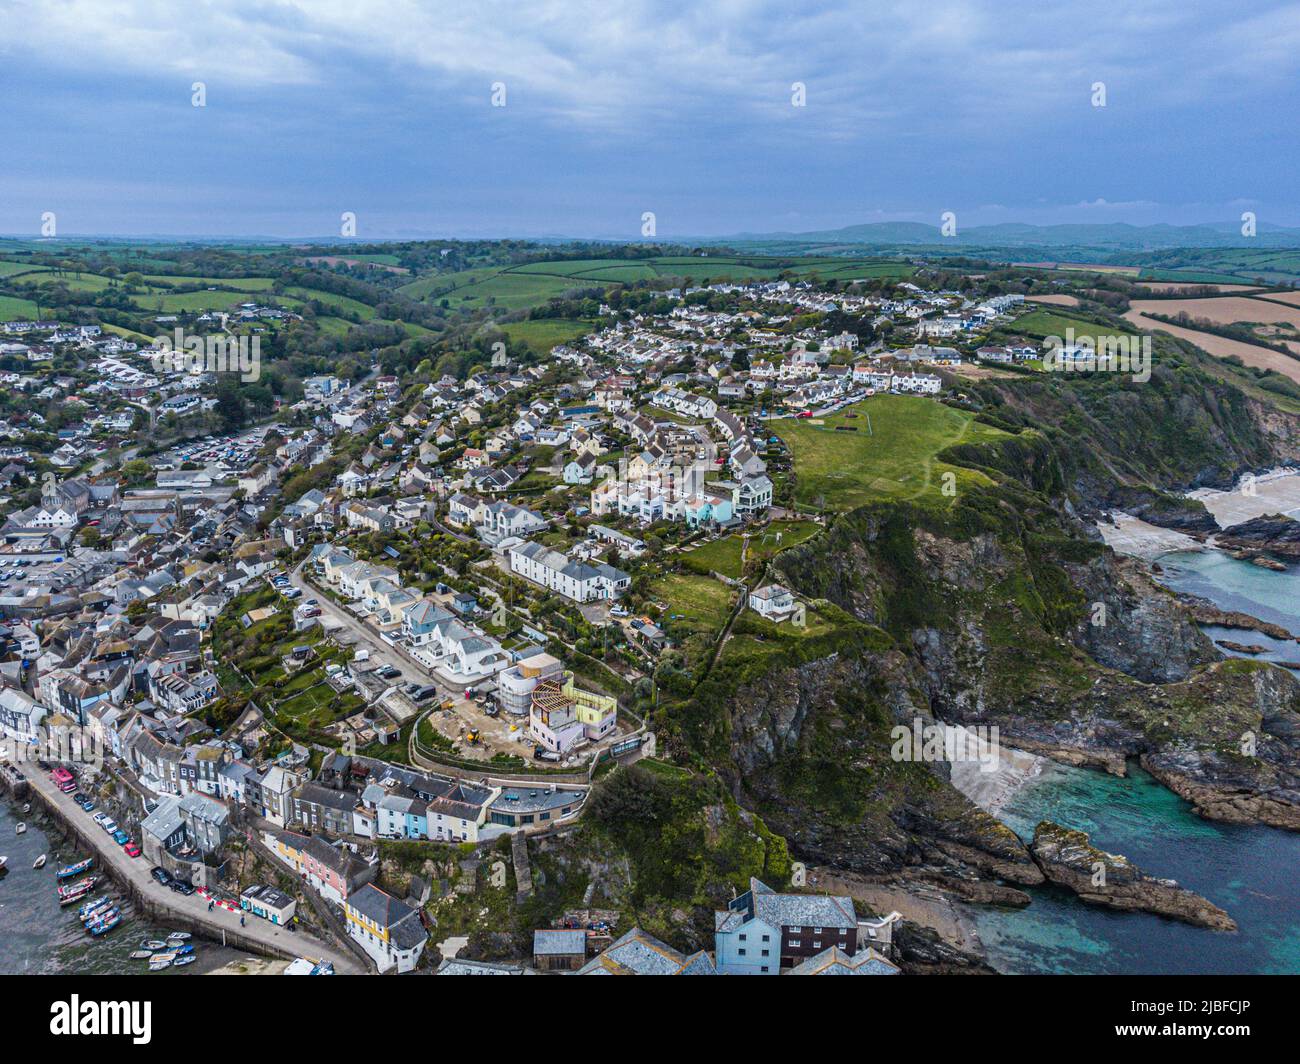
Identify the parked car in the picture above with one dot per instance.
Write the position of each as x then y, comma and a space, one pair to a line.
390, 672
181, 888
99, 818
160, 874
109, 825
131, 849
121, 837
79, 798
88, 806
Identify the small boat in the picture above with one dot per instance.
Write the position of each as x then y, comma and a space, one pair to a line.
40, 861
140, 954
3, 860
21, 829
153, 945
178, 936
80, 886
185, 950
159, 961
101, 918
27, 808
106, 926
180, 962
74, 869
93, 906
72, 897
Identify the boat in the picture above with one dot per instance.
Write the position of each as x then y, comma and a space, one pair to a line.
153, 945
40, 861
99, 919
182, 961
21, 829
178, 936
74, 869
27, 808
106, 926
72, 897
159, 961
185, 950
93, 906
3, 859
80, 886
140, 954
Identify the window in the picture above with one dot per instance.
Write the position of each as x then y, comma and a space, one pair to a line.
767, 938
742, 938
794, 943
741, 951
765, 953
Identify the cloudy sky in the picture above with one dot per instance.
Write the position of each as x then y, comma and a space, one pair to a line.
385, 108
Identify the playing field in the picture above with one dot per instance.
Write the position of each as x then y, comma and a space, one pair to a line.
886, 450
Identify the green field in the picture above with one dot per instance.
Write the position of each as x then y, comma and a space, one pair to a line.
335, 302
541, 334
14, 309
839, 470
533, 283
697, 608
724, 555
1043, 322
11, 269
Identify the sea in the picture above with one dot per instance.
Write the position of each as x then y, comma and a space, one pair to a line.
1251, 872
37, 937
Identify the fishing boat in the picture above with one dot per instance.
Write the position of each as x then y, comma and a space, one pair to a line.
80, 886
21, 829
106, 926
72, 897
74, 869
180, 962
40, 861
153, 945
140, 954
178, 936
101, 918
93, 906
185, 950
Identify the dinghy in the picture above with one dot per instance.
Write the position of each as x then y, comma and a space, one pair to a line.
182, 961
74, 869
40, 861
21, 829
185, 950
153, 945
178, 936
140, 955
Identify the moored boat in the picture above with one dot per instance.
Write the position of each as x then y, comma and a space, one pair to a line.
140, 954
74, 869
81, 886
178, 936
93, 906
40, 861
159, 961
3, 861
101, 918
181, 961
106, 926
153, 945
185, 950
21, 829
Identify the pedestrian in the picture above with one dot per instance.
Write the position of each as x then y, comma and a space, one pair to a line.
241, 919
211, 905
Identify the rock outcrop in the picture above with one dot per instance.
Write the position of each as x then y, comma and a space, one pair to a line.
1274, 533
1068, 859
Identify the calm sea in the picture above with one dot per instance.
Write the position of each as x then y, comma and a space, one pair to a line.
1252, 872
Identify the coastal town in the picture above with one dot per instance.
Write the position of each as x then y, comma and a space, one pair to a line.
428, 615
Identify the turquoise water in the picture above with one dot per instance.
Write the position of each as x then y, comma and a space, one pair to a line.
1252, 872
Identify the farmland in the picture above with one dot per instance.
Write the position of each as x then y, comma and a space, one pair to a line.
893, 458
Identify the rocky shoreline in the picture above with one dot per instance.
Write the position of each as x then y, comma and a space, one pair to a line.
1068, 859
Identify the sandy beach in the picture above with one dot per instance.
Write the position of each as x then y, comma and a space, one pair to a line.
1274, 492
1133, 536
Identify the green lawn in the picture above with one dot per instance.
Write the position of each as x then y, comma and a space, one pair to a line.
542, 334
1043, 322
839, 470
698, 607
724, 555
14, 309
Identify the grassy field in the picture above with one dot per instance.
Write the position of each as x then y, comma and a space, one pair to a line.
1051, 322
724, 555
15, 309
544, 333
533, 283
698, 607
335, 302
10, 269
839, 470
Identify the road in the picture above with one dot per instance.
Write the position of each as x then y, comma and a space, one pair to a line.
136, 870
368, 638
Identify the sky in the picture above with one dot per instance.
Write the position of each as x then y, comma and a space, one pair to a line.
688, 111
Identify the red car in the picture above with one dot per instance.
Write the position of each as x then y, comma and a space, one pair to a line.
131, 849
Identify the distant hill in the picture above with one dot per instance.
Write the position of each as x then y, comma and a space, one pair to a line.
1114, 236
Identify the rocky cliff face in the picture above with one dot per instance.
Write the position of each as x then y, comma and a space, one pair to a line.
1274, 533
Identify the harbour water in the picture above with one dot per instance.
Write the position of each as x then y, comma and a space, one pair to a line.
37, 937
1252, 872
